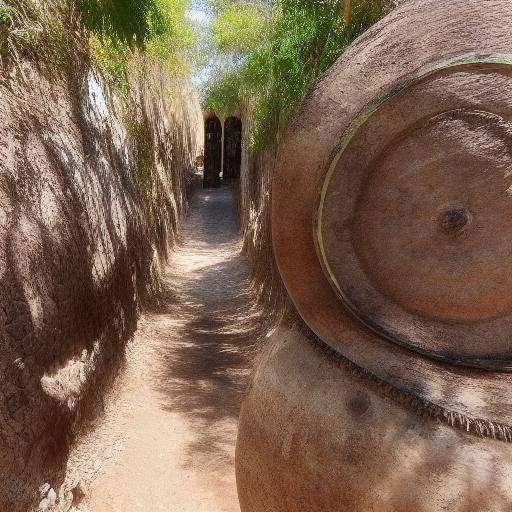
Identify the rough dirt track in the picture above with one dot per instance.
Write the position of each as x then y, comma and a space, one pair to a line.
167, 439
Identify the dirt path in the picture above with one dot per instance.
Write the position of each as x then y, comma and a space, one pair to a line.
167, 440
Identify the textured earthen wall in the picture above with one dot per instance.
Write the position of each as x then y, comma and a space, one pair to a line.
255, 196
90, 200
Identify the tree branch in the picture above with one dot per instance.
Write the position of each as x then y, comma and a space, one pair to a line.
347, 5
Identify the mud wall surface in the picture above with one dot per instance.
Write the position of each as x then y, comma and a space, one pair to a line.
255, 198
91, 193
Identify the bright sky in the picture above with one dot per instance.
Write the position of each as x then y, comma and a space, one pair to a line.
200, 14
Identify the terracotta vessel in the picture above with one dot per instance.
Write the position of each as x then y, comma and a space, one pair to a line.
392, 228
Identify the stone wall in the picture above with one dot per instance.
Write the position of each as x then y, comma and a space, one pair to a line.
92, 190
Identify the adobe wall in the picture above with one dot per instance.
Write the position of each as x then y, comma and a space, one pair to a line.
92, 191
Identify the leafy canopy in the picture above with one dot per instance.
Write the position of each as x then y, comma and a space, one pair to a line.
156, 28
238, 28
298, 40
126, 20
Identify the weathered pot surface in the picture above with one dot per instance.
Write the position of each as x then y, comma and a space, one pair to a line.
317, 434
391, 228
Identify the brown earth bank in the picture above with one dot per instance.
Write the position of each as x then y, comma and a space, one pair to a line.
92, 191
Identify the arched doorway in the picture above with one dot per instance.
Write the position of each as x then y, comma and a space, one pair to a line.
232, 148
212, 152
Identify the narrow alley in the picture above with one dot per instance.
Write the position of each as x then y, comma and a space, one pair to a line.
167, 440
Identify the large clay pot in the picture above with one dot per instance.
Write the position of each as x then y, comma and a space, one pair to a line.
392, 228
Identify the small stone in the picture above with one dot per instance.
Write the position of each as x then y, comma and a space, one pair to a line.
49, 501
44, 504
19, 364
52, 497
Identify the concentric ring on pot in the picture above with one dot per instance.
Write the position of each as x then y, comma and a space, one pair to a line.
403, 44
414, 224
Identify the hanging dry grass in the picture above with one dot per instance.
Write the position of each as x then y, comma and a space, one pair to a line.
49, 34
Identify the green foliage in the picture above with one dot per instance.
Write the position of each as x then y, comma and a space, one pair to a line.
304, 39
239, 27
156, 29
111, 58
127, 21
223, 95
171, 36
109, 32
14, 34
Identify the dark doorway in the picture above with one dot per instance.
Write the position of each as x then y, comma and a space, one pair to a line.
212, 152
232, 148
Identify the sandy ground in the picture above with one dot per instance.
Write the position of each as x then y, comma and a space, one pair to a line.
167, 439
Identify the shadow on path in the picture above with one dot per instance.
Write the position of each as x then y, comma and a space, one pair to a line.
213, 326
166, 442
